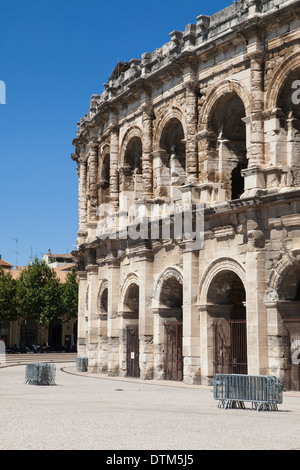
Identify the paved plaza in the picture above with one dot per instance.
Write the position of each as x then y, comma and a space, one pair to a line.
100, 413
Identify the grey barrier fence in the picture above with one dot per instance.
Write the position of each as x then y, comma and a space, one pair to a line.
40, 374
233, 390
82, 364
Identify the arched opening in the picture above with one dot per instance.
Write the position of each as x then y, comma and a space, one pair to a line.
102, 312
131, 169
228, 148
289, 316
104, 183
287, 138
28, 333
131, 330
171, 309
103, 301
226, 306
170, 160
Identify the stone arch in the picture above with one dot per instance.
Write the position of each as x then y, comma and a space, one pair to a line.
222, 297
174, 113
166, 275
223, 136
132, 132
216, 92
278, 79
217, 267
130, 281
280, 285
168, 321
102, 306
129, 327
283, 302
131, 169
282, 108
104, 174
169, 156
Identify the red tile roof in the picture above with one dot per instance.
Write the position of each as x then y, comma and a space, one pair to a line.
5, 264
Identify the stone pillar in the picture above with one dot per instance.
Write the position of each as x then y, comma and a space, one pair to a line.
147, 151
102, 344
93, 172
124, 321
255, 152
162, 174
158, 344
191, 132
256, 156
92, 333
114, 165
82, 315
145, 269
191, 322
276, 339
82, 232
93, 189
113, 328
257, 334
206, 345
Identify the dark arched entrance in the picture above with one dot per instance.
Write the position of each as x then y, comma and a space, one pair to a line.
171, 301
131, 330
226, 304
229, 143
289, 313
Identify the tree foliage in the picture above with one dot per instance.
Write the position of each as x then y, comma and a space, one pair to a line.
39, 293
8, 287
69, 295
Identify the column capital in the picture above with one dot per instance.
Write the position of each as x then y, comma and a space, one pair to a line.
81, 275
113, 127
92, 269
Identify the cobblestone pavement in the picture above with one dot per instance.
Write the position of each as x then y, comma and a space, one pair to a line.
84, 412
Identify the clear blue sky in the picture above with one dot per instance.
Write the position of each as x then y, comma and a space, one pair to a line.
54, 55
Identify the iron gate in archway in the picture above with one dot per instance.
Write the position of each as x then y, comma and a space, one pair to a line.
173, 351
292, 354
230, 347
132, 351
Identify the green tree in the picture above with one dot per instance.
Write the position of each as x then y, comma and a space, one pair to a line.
8, 304
69, 295
39, 293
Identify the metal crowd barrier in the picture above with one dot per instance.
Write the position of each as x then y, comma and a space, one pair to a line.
40, 374
263, 391
82, 364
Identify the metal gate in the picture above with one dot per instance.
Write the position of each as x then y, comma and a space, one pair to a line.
173, 352
132, 352
292, 353
230, 347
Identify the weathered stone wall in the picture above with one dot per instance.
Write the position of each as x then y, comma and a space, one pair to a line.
207, 121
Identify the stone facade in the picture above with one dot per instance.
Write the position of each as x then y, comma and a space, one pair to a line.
207, 124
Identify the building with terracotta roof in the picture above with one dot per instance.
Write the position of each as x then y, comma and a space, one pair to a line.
5, 264
22, 334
